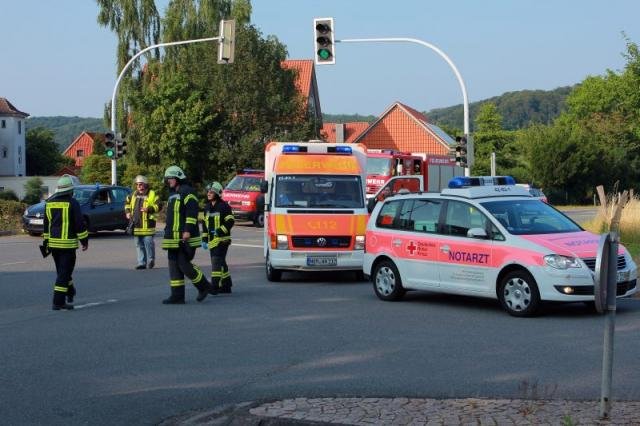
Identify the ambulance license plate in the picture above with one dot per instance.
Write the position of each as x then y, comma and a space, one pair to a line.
623, 276
322, 261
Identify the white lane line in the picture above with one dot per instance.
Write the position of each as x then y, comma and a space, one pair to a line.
13, 263
247, 245
92, 304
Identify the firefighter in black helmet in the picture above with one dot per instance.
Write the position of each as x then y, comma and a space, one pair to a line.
182, 237
63, 228
216, 236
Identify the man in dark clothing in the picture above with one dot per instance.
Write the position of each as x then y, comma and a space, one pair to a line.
182, 237
217, 224
63, 228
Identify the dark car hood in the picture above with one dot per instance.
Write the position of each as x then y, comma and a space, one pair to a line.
36, 209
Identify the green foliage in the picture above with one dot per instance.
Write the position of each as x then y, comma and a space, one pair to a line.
347, 118
42, 154
11, 214
33, 191
519, 109
9, 195
209, 119
97, 169
66, 129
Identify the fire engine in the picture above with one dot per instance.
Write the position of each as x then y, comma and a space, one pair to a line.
244, 196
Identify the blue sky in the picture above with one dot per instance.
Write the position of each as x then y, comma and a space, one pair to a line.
56, 60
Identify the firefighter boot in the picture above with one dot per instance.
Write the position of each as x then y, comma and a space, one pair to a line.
59, 301
213, 287
226, 285
204, 288
177, 296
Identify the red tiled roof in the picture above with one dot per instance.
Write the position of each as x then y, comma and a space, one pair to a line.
351, 131
403, 128
7, 108
304, 74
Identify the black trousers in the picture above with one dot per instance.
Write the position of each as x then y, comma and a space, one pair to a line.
180, 265
220, 276
65, 260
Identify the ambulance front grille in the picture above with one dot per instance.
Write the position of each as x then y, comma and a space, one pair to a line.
316, 241
591, 262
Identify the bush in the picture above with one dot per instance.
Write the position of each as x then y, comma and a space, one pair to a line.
11, 215
33, 191
8, 195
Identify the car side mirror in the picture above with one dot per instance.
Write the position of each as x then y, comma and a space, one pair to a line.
264, 186
477, 233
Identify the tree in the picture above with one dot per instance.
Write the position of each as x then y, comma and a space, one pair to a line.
491, 137
42, 154
33, 191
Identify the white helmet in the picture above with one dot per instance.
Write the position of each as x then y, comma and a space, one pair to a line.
141, 179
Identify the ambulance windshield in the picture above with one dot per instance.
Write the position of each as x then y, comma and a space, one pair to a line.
319, 191
530, 217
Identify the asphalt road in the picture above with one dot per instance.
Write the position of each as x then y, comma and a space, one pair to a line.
124, 358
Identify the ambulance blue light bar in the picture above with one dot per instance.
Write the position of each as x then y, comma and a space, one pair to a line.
340, 149
467, 181
292, 149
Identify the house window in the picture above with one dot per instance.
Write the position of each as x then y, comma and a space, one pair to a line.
80, 153
4, 124
19, 127
5, 152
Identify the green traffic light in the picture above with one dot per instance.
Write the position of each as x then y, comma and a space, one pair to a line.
110, 153
324, 54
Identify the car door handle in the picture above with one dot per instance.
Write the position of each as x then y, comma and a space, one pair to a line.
397, 242
444, 249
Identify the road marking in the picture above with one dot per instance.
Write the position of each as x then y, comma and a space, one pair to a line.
247, 245
14, 263
92, 304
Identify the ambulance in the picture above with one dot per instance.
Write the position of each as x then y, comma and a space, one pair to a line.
315, 212
485, 237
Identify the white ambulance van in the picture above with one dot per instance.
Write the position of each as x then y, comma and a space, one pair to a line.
486, 237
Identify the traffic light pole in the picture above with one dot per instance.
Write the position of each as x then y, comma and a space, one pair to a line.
465, 99
115, 88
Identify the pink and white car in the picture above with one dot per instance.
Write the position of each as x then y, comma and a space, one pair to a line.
485, 237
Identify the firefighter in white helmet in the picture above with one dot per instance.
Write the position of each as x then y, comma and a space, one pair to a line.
141, 208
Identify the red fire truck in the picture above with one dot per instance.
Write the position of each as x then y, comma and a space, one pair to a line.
382, 164
244, 196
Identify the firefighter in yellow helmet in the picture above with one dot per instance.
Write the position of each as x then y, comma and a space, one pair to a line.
64, 227
141, 208
182, 237
216, 236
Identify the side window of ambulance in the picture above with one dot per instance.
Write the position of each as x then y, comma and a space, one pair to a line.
387, 216
424, 215
461, 217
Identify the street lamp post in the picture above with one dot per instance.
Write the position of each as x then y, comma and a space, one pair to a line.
115, 88
463, 88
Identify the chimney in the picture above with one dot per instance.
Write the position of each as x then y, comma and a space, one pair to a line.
339, 132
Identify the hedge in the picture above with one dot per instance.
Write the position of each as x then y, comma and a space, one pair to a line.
11, 215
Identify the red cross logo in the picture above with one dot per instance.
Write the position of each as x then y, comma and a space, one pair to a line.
411, 247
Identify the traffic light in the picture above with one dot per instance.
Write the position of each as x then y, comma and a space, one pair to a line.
325, 43
227, 42
121, 147
110, 145
461, 151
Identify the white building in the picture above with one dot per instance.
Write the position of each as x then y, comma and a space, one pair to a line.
12, 140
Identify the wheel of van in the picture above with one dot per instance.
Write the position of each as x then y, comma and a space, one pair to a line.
387, 283
258, 221
273, 275
518, 293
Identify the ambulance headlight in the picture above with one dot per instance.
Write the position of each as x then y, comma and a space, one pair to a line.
561, 262
359, 245
282, 243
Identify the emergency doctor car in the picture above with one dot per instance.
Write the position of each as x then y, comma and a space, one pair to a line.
486, 237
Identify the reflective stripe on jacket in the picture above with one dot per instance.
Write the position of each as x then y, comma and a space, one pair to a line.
182, 216
63, 223
144, 223
217, 223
